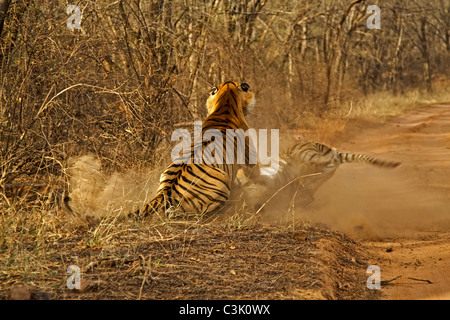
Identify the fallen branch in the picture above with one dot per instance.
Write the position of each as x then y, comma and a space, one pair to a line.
424, 280
390, 280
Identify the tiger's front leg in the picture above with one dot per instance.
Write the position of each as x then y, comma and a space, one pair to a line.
246, 175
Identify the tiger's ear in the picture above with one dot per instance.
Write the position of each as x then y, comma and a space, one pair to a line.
245, 86
213, 90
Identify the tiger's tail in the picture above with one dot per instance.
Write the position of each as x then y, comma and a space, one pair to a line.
361, 158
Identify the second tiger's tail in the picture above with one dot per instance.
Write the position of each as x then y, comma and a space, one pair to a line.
361, 158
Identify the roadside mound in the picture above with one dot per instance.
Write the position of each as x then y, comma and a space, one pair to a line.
213, 261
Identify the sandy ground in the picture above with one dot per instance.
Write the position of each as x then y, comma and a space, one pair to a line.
401, 216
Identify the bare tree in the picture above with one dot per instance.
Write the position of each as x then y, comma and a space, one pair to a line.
334, 52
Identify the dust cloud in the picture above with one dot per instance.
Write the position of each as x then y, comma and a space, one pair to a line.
411, 200
372, 203
97, 194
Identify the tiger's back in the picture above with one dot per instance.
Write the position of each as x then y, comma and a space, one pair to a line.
198, 183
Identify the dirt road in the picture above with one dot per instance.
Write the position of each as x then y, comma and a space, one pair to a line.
402, 216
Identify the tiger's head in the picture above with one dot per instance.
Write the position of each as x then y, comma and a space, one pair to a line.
232, 93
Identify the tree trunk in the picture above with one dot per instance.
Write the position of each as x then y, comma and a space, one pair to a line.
4, 5
395, 62
425, 54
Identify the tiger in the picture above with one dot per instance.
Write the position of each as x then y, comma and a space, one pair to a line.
205, 186
303, 168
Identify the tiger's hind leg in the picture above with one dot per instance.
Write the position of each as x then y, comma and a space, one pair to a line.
203, 189
191, 189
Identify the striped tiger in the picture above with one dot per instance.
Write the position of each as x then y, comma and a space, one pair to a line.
303, 169
203, 187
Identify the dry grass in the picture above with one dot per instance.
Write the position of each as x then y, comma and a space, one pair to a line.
236, 258
381, 105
